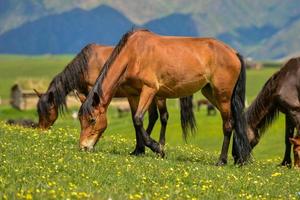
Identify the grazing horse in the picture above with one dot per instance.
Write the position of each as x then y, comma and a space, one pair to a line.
279, 94
121, 109
80, 74
149, 65
27, 123
210, 107
296, 142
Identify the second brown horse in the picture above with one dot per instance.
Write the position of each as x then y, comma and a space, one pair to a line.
149, 65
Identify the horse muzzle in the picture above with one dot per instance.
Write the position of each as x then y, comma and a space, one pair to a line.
86, 145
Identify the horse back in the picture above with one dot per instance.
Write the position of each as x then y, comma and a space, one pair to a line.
288, 79
99, 55
182, 51
181, 62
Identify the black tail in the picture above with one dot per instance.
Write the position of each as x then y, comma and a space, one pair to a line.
187, 116
240, 139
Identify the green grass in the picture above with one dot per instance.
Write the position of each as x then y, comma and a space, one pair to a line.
48, 165
14, 68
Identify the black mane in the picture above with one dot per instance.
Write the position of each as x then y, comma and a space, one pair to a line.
264, 104
69, 79
97, 89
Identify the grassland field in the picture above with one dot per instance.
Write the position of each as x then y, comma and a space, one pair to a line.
47, 164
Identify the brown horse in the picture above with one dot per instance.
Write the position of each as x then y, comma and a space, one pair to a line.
280, 93
296, 142
149, 65
80, 74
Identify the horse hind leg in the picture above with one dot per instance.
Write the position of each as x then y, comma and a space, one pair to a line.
225, 109
289, 133
207, 91
223, 104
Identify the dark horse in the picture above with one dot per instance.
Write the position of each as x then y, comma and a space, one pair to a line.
80, 74
279, 94
151, 65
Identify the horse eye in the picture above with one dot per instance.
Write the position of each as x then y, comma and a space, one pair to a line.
92, 121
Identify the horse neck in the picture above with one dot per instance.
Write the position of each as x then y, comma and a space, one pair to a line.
60, 91
113, 79
261, 113
260, 117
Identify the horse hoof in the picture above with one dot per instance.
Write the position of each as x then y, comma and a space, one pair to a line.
161, 151
138, 152
239, 162
285, 164
221, 163
162, 154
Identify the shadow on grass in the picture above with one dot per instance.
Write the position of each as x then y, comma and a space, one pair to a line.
200, 157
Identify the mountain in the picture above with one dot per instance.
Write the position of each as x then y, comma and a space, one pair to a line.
285, 43
70, 31
215, 17
250, 26
14, 13
175, 24
67, 32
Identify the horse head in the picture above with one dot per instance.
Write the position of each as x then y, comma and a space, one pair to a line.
47, 110
93, 121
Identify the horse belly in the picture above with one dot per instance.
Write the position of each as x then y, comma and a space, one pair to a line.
181, 88
120, 93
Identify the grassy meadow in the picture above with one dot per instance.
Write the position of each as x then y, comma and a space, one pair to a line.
47, 164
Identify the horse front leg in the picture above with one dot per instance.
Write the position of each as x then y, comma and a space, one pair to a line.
227, 131
292, 105
289, 133
146, 97
140, 146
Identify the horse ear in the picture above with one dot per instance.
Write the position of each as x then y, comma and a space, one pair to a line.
51, 98
37, 93
80, 96
96, 99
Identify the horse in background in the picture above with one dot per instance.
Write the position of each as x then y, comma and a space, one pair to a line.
27, 123
211, 110
279, 94
296, 148
156, 66
80, 75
